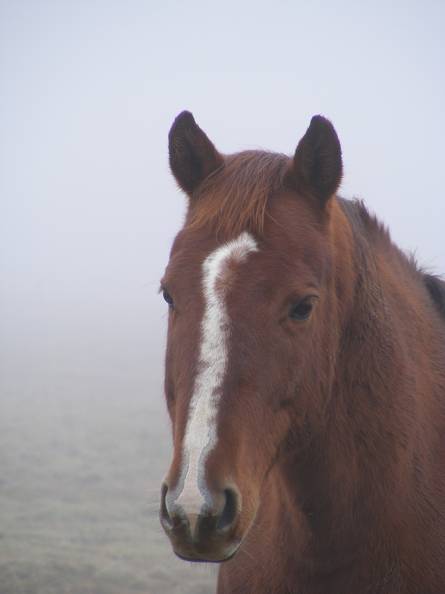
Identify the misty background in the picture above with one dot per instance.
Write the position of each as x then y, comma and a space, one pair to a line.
88, 91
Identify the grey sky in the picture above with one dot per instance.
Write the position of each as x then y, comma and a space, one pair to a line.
89, 91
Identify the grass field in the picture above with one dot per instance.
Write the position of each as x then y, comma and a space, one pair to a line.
83, 450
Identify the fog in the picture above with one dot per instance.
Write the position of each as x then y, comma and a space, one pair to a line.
88, 91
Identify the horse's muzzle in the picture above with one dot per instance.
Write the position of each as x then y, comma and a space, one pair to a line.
207, 536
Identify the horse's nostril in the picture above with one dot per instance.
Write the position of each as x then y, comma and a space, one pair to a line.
229, 512
166, 520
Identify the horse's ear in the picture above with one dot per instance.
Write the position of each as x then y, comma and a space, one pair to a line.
192, 156
317, 166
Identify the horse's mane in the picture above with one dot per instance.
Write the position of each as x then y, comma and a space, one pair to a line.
436, 288
367, 227
234, 198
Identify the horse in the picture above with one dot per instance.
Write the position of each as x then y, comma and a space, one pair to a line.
304, 380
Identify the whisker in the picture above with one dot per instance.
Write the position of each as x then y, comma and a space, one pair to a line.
246, 552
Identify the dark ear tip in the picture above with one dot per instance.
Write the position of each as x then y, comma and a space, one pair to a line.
322, 128
320, 122
184, 120
316, 119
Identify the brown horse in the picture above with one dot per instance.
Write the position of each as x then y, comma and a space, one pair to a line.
305, 380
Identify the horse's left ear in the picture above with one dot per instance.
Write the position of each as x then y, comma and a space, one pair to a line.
192, 155
317, 165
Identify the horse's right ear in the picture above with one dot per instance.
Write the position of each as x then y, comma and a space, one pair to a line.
317, 165
192, 156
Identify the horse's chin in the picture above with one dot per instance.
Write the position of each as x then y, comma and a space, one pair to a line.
208, 557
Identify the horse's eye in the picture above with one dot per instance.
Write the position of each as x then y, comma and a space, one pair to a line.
302, 310
167, 297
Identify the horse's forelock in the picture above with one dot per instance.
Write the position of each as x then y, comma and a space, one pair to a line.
235, 198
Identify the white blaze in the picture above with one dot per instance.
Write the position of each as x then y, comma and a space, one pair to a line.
201, 435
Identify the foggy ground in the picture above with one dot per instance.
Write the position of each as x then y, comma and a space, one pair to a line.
84, 443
